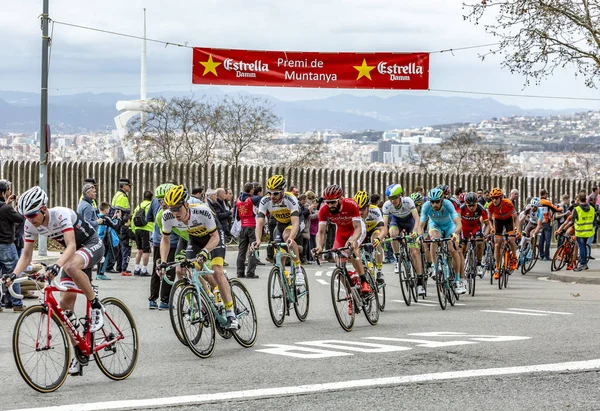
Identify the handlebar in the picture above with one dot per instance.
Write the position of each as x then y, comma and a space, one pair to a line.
36, 278
337, 251
438, 240
275, 244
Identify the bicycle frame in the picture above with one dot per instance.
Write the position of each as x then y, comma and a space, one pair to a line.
279, 256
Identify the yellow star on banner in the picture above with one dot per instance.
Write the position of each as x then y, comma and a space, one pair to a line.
364, 70
210, 66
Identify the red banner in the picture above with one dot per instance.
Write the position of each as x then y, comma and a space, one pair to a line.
399, 71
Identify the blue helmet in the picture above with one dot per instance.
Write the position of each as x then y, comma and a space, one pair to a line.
388, 190
394, 190
535, 202
435, 194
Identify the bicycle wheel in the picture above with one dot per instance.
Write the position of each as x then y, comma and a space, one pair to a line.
490, 262
45, 369
469, 271
277, 297
118, 359
529, 262
506, 275
413, 286
381, 292
342, 299
197, 322
440, 284
404, 273
560, 258
173, 307
245, 313
370, 303
302, 298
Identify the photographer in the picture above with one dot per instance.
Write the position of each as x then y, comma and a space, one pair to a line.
8, 251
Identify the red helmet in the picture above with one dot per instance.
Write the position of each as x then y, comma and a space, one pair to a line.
333, 192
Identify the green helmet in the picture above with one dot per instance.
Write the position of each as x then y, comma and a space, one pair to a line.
161, 190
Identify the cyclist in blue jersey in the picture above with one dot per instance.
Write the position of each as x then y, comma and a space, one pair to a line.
444, 222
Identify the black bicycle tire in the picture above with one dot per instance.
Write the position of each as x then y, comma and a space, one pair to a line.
302, 316
210, 321
373, 297
275, 275
440, 284
172, 309
244, 342
403, 278
342, 279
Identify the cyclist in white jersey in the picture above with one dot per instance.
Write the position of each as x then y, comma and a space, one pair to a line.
83, 250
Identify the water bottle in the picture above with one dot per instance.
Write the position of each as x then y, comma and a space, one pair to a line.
95, 288
355, 278
370, 269
286, 273
72, 318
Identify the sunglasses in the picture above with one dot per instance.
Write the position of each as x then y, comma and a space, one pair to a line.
393, 198
175, 209
436, 201
31, 215
274, 193
472, 205
331, 201
496, 198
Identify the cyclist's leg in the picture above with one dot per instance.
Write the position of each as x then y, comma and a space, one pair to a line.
394, 231
434, 233
378, 251
300, 280
85, 257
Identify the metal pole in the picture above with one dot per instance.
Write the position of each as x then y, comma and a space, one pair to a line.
42, 247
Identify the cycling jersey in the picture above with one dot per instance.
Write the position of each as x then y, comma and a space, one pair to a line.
344, 219
202, 221
283, 211
374, 218
548, 209
471, 220
61, 220
441, 220
531, 216
502, 212
404, 211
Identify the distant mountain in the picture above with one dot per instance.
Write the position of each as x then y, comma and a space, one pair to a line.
19, 112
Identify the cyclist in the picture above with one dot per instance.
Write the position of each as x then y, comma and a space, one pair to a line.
371, 215
418, 199
504, 216
83, 250
205, 241
443, 221
284, 207
532, 217
474, 218
350, 232
400, 214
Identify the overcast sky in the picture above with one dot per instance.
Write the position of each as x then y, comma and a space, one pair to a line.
96, 62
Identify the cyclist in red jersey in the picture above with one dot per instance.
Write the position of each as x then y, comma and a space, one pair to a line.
473, 216
351, 230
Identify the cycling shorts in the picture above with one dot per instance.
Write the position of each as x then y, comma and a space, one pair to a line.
501, 225
474, 232
281, 227
529, 228
192, 247
404, 224
445, 230
92, 252
342, 238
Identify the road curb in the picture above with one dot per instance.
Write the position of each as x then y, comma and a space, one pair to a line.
569, 278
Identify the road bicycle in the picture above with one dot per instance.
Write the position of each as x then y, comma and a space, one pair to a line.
528, 255
405, 269
282, 290
471, 264
200, 316
367, 251
345, 293
565, 255
489, 259
505, 263
44, 335
443, 273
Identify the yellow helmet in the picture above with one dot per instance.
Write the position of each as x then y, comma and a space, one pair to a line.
176, 195
361, 198
276, 182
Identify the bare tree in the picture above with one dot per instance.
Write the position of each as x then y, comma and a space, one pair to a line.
459, 148
306, 153
488, 160
247, 121
426, 157
537, 36
208, 119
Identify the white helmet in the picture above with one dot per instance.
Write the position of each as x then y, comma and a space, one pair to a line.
32, 200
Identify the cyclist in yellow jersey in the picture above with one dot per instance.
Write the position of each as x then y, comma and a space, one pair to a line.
205, 241
371, 214
284, 207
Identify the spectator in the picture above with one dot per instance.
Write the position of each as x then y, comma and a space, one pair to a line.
8, 251
120, 201
198, 194
142, 235
314, 223
562, 216
594, 198
126, 235
86, 206
211, 199
485, 198
223, 211
294, 191
92, 181
107, 231
304, 219
583, 220
245, 206
514, 197
547, 209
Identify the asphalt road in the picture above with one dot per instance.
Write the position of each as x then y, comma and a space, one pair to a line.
476, 354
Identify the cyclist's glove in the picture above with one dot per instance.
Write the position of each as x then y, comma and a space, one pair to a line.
204, 254
376, 243
11, 276
53, 270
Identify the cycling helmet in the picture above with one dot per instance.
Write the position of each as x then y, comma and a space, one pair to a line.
395, 190
32, 201
435, 194
471, 198
445, 189
333, 192
461, 198
388, 190
417, 198
361, 198
535, 202
276, 182
161, 190
176, 195
496, 192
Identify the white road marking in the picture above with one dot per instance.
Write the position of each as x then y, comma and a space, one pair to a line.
328, 273
476, 337
540, 311
423, 343
323, 387
354, 346
514, 312
322, 281
318, 273
425, 303
300, 352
